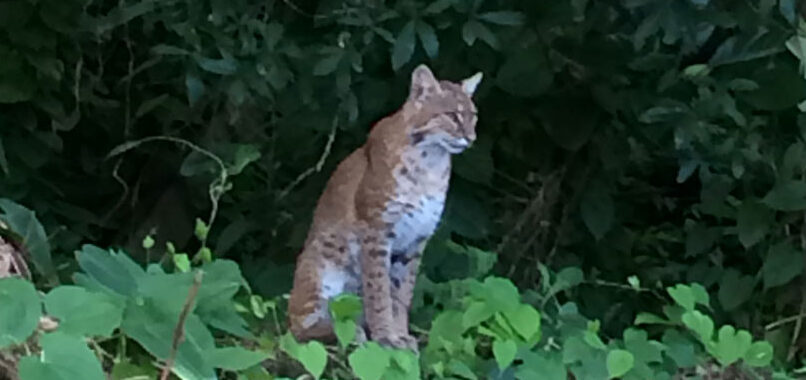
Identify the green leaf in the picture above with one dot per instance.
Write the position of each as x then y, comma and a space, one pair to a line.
370, 361
151, 324
536, 365
218, 66
649, 319
112, 270
182, 262
619, 362
21, 310
23, 223
403, 48
730, 345
753, 222
760, 354
235, 358
345, 306
503, 17
195, 88
311, 355
787, 196
63, 357
735, 289
438, 6
525, 320
782, 264
345, 331
473, 30
84, 313
475, 314
700, 323
428, 38
504, 352
682, 295
598, 211
328, 64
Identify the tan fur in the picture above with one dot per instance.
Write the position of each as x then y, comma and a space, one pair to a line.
379, 209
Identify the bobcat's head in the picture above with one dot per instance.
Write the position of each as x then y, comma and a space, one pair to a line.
443, 112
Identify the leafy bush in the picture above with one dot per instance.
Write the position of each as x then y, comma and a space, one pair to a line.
629, 153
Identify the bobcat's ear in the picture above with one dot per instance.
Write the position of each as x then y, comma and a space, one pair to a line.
469, 85
423, 83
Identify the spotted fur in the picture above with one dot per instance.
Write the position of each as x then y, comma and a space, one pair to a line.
379, 209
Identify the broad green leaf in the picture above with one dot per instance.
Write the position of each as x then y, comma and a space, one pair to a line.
328, 64
682, 295
782, 264
503, 17
700, 295
23, 223
734, 289
619, 362
221, 66
525, 320
700, 324
345, 331
473, 30
195, 88
476, 313
20, 311
125, 370
760, 354
345, 306
112, 270
680, 348
787, 196
753, 222
84, 313
403, 48
370, 361
644, 318
598, 211
428, 39
63, 357
504, 352
312, 355
235, 358
730, 345
500, 294
541, 365
438, 6
152, 324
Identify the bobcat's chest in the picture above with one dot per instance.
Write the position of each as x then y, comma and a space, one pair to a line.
422, 184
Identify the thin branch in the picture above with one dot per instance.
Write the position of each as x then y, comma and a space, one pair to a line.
179, 330
319, 164
783, 321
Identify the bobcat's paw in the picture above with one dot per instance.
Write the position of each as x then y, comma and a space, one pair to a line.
403, 341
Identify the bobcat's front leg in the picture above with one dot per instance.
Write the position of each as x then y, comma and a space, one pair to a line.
404, 276
378, 304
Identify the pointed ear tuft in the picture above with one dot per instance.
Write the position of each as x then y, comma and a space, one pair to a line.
423, 83
469, 85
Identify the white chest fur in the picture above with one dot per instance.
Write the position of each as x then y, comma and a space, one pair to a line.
420, 199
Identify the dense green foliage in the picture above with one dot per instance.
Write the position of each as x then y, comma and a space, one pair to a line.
625, 147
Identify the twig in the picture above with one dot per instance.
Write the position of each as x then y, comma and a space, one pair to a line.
781, 322
179, 330
217, 187
319, 164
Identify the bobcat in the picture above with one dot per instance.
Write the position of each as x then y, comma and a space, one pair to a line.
379, 209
